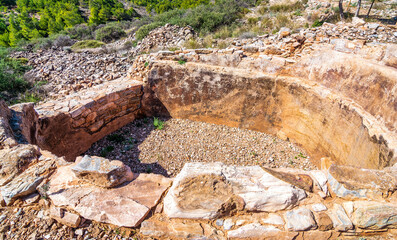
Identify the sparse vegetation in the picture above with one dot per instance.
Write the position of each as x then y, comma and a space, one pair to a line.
158, 124
109, 33
87, 44
106, 151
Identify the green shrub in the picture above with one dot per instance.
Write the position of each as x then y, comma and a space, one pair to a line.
158, 124
144, 30
192, 44
87, 44
317, 23
81, 32
11, 72
109, 33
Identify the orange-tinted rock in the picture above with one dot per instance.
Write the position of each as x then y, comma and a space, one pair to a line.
324, 222
126, 205
7, 138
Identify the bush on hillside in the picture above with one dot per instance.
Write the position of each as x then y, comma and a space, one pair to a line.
109, 33
11, 75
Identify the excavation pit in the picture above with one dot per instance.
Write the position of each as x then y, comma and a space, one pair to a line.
165, 151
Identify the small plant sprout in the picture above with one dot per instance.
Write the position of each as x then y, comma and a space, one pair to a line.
158, 124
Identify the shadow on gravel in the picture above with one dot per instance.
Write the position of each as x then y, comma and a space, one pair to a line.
124, 143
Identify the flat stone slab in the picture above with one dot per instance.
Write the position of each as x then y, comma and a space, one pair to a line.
374, 215
258, 231
101, 171
209, 190
165, 228
352, 183
126, 205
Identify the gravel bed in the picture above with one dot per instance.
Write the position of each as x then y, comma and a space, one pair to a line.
147, 149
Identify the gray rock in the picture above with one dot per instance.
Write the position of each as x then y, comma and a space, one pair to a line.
27, 182
228, 224
14, 160
301, 219
339, 218
374, 215
102, 172
319, 207
219, 222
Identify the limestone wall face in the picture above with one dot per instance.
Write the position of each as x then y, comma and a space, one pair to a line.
322, 122
69, 126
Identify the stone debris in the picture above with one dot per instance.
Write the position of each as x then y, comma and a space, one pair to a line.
27, 182
164, 38
62, 73
102, 172
65, 217
15, 160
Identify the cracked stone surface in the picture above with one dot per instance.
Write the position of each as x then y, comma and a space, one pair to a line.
219, 189
126, 205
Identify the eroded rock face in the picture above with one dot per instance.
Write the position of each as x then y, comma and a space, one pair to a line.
324, 122
102, 172
206, 191
15, 160
342, 108
6, 135
126, 205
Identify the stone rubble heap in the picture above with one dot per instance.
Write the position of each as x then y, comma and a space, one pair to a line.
168, 36
62, 73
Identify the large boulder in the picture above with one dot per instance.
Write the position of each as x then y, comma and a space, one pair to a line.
6, 135
207, 191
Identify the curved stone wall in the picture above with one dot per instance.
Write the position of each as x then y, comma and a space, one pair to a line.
323, 122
